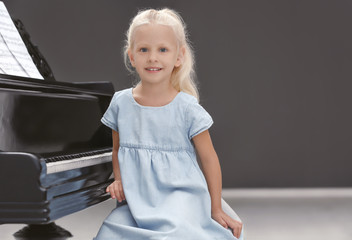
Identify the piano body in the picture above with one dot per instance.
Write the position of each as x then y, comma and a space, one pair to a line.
55, 155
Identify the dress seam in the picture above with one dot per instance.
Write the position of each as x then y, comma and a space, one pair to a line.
141, 146
186, 117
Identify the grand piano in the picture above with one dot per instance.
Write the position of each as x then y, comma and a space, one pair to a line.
55, 155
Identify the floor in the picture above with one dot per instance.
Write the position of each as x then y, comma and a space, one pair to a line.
268, 214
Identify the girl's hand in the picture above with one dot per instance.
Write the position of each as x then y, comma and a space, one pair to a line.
116, 190
227, 222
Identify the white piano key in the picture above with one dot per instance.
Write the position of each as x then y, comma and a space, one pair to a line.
61, 166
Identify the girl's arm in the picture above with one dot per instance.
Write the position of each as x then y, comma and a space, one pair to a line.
212, 172
116, 188
115, 150
211, 167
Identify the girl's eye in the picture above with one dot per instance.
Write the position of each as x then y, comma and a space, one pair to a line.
163, 50
143, 50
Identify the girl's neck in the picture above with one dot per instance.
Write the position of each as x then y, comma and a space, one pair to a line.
154, 95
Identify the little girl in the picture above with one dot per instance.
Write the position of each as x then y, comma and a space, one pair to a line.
157, 127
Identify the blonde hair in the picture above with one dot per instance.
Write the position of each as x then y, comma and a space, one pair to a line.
182, 77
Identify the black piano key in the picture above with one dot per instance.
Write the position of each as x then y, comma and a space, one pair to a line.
76, 155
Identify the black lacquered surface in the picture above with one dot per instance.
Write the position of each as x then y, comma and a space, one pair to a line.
43, 122
51, 118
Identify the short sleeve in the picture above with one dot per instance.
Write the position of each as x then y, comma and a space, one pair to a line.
110, 116
198, 119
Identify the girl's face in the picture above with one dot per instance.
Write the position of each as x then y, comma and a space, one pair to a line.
154, 54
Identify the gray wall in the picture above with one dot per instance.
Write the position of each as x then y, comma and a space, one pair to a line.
275, 76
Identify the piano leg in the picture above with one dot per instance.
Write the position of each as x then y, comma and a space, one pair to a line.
49, 231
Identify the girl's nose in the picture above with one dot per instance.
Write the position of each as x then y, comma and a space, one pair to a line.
152, 56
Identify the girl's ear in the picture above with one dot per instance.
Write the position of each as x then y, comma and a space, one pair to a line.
130, 56
181, 55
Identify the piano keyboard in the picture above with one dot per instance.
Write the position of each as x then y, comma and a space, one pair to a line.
74, 161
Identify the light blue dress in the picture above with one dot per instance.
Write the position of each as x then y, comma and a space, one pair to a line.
166, 192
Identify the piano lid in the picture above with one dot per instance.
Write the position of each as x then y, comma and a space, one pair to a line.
49, 117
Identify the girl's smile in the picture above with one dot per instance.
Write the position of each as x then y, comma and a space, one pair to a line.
153, 69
